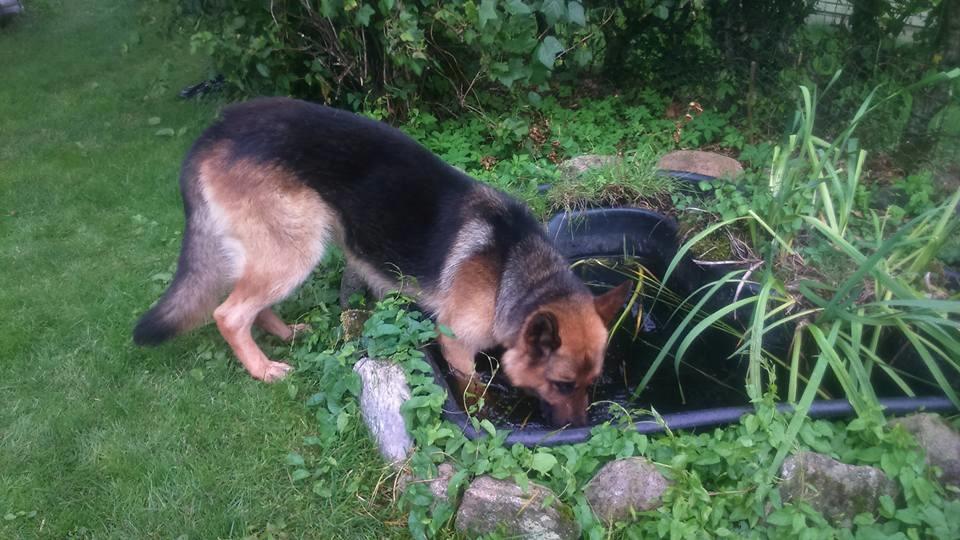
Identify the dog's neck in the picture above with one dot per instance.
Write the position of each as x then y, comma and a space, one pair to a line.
534, 274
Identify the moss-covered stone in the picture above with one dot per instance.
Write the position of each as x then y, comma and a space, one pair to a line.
624, 486
714, 247
837, 490
490, 505
940, 442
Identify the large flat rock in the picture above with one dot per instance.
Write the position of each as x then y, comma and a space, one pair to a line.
940, 442
699, 162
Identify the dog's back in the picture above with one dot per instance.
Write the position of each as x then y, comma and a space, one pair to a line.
395, 207
398, 205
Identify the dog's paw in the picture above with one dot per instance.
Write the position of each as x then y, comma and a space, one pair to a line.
274, 371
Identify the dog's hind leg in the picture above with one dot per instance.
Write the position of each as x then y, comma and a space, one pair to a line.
271, 323
263, 283
235, 317
279, 228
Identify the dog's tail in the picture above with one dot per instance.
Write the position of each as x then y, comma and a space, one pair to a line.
203, 272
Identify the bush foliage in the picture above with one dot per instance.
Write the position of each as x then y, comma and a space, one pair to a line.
740, 57
356, 53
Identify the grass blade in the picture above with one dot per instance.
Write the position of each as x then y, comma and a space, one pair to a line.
930, 362
679, 330
706, 323
754, 382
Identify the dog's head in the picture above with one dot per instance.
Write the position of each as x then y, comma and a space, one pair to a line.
559, 353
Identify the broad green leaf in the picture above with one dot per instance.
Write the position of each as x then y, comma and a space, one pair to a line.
488, 427
583, 56
518, 7
553, 11
364, 14
543, 462
295, 459
575, 14
487, 12
548, 50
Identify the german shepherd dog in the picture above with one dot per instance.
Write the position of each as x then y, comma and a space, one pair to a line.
274, 181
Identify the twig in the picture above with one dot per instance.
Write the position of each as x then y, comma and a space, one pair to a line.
721, 263
743, 281
586, 37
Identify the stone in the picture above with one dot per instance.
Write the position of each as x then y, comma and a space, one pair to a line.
703, 163
624, 486
439, 485
9, 8
383, 390
574, 167
837, 490
491, 505
352, 321
940, 442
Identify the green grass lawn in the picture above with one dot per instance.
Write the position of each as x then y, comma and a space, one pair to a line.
100, 439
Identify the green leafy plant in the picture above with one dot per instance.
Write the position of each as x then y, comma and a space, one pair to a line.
918, 191
723, 481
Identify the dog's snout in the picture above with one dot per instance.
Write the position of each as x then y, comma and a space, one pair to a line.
563, 415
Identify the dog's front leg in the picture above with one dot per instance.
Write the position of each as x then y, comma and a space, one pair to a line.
460, 357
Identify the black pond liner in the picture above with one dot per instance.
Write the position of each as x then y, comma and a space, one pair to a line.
650, 238
686, 176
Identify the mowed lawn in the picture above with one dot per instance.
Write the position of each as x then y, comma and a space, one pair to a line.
98, 438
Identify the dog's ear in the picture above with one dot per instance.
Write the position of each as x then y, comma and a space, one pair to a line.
542, 334
609, 303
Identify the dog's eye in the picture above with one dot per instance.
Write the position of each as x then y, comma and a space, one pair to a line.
565, 387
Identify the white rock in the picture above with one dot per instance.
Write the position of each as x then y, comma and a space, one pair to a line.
383, 391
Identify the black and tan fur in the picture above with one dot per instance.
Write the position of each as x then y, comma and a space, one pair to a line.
275, 181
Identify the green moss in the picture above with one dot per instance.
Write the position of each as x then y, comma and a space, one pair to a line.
714, 247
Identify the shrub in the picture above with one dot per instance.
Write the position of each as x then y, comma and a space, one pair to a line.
384, 53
